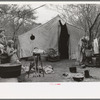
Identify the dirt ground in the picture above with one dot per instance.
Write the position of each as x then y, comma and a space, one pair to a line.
60, 68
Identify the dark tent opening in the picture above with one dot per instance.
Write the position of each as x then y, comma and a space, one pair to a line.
64, 42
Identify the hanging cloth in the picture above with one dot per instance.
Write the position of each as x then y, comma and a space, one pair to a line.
95, 46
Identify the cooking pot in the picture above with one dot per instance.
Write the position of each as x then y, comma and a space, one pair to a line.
78, 77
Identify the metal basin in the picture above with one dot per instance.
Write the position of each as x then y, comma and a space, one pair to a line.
10, 70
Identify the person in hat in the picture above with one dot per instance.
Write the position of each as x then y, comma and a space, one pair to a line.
82, 46
12, 52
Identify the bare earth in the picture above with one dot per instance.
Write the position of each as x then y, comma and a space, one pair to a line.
60, 68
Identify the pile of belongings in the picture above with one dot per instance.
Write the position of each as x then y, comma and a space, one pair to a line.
52, 55
48, 69
71, 75
25, 68
75, 76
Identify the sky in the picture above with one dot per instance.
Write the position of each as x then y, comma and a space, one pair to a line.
44, 14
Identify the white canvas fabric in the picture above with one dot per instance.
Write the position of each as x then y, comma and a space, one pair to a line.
95, 46
46, 36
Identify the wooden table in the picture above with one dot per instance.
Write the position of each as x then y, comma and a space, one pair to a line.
37, 60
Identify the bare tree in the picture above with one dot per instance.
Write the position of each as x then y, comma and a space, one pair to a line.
16, 15
85, 16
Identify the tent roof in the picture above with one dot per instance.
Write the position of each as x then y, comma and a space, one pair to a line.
53, 19
50, 33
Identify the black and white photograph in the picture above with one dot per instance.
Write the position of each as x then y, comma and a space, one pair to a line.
49, 42
49, 50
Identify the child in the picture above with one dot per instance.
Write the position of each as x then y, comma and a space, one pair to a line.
12, 52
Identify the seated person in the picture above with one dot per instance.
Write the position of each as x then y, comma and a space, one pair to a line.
3, 55
12, 52
1, 49
3, 40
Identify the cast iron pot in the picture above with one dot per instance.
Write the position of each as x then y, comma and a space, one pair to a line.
78, 77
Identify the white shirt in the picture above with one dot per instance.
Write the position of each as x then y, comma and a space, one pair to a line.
95, 46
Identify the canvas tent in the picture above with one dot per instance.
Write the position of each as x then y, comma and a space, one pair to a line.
47, 36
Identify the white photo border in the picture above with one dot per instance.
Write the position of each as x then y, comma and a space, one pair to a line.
50, 90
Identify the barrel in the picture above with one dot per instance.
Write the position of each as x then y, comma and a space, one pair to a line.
86, 74
10, 70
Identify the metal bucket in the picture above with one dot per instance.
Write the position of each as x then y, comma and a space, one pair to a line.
73, 69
